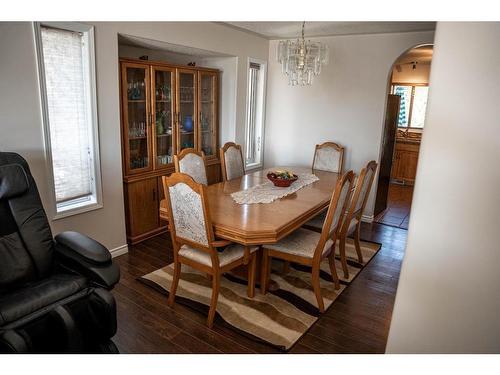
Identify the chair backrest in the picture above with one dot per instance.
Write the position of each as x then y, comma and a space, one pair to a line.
26, 243
192, 163
188, 211
338, 204
361, 193
334, 216
231, 161
328, 156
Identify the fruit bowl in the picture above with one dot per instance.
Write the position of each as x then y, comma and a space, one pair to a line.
282, 178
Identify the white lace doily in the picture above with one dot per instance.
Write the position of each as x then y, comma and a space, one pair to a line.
267, 192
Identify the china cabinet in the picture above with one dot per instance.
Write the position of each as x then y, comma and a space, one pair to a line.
164, 109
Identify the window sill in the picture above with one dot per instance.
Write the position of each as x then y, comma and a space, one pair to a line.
77, 210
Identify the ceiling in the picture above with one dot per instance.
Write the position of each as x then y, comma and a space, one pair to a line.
423, 55
285, 30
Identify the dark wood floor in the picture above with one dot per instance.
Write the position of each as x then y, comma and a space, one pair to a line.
398, 208
357, 322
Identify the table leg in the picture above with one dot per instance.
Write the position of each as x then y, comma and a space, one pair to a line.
241, 272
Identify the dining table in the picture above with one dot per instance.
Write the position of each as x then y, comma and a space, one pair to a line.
264, 223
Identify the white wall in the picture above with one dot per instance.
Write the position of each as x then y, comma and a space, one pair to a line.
448, 298
228, 85
346, 102
133, 52
20, 115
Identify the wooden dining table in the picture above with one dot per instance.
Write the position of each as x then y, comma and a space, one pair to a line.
265, 223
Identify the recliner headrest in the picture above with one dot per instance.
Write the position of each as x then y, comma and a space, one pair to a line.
13, 181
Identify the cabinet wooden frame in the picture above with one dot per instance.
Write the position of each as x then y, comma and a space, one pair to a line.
150, 68
137, 232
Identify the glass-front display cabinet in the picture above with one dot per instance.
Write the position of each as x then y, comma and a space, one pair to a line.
163, 115
165, 109
207, 94
135, 118
186, 109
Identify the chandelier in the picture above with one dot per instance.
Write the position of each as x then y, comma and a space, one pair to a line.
301, 60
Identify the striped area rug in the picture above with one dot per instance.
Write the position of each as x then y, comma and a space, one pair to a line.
278, 318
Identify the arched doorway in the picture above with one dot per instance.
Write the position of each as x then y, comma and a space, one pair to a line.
404, 126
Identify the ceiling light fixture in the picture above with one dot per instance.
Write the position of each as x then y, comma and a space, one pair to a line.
301, 60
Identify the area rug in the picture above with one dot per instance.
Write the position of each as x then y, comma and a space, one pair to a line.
278, 318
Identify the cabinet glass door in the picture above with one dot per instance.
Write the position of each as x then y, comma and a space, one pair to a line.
163, 115
208, 112
186, 109
135, 112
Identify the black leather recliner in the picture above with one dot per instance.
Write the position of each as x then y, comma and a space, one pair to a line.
54, 293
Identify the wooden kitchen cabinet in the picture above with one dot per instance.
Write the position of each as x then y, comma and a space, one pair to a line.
404, 165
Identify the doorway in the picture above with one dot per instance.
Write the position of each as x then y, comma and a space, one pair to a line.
404, 126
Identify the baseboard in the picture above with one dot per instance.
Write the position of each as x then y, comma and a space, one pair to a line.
367, 218
120, 250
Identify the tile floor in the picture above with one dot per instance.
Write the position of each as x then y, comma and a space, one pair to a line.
397, 213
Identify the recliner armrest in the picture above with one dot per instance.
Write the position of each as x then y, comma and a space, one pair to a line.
85, 256
87, 248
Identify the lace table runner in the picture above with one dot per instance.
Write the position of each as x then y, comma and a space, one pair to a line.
267, 192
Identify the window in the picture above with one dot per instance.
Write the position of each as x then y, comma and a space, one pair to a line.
67, 81
255, 113
413, 105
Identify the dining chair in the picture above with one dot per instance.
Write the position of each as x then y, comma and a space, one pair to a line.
192, 163
231, 159
353, 216
309, 248
357, 206
329, 157
194, 242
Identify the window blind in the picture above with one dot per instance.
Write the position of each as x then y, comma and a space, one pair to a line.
251, 113
67, 93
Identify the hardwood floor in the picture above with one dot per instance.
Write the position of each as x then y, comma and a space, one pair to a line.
397, 213
357, 322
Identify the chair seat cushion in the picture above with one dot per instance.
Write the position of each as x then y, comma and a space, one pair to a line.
302, 242
37, 295
230, 254
317, 221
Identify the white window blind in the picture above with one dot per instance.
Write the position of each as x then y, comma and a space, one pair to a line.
255, 114
251, 144
65, 80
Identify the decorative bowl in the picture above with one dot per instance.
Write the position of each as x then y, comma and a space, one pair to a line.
282, 178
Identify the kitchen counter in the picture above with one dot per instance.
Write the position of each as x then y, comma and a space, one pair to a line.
408, 141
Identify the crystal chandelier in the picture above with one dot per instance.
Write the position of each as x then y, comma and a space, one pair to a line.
301, 60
